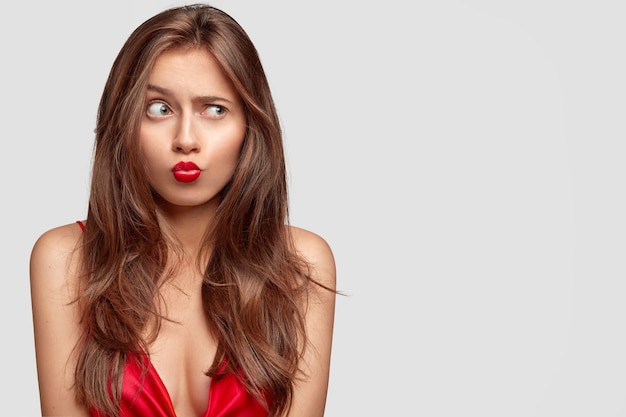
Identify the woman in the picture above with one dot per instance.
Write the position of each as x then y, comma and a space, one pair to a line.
185, 292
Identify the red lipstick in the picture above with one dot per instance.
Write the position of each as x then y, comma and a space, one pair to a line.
186, 171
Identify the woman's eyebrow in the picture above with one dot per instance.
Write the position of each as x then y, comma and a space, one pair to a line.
209, 98
160, 90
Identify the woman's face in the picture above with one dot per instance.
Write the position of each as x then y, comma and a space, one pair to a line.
192, 130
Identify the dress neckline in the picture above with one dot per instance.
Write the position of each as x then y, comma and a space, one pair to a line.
167, 395
153, 373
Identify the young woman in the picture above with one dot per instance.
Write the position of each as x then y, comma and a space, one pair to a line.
185, 292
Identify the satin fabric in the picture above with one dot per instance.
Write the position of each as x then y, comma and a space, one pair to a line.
150, 398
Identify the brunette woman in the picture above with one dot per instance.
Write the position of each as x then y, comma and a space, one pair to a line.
185, 291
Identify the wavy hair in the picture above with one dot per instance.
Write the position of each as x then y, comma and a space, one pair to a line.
253, 280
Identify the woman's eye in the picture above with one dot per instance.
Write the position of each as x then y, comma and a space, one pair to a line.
216, 111
158, 109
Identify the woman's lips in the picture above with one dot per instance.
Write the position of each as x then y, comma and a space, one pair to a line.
186, 171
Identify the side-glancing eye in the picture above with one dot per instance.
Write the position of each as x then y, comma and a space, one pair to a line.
215, 110
158, 109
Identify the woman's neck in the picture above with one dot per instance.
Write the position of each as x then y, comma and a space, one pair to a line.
187, 225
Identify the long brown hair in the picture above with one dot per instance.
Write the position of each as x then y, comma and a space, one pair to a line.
253, 281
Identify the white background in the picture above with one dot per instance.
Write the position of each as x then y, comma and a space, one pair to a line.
464, 159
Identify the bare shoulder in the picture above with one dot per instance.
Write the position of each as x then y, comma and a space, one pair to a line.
318, 253
54, 266
60, 237
55, 250
309, 396
54, 263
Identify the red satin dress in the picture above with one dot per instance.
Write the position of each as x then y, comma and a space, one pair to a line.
149, 398
227, 396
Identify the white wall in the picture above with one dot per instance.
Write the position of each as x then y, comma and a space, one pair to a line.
464, 159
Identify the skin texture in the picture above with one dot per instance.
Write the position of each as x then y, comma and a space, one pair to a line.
193, 113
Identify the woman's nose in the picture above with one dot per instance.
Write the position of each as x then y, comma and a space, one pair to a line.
186, 140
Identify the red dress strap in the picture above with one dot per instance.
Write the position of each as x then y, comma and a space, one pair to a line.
81, 224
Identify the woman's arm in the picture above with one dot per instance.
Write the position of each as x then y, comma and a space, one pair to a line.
310, 394
53, 279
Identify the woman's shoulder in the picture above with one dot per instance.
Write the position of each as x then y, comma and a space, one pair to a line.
316, 251
58, 240
53, 254
54, 272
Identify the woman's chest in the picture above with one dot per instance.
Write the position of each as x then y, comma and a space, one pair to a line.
183, 351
